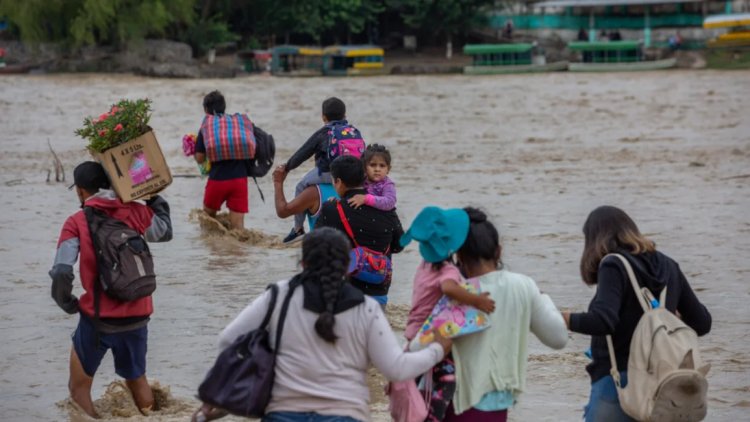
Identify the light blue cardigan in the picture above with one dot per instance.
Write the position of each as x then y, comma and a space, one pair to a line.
495, 359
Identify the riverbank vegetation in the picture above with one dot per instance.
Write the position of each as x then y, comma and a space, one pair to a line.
204, 24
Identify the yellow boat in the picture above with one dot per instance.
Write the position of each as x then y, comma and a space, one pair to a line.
292, 60
353, 60
732, 49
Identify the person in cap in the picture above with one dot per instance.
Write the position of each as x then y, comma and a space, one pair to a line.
440, 233
490, 370
122, 325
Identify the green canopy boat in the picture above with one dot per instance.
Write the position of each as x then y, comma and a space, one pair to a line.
614, 56
493, 59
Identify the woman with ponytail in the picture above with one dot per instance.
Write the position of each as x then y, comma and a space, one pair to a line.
491, 365
331, 335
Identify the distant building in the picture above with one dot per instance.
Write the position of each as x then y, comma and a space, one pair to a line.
652, 21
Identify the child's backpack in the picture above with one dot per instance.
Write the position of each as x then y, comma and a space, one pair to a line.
124, 262
344, 139
666, 375
228, 137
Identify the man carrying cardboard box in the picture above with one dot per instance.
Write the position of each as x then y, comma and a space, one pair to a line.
227, 142
107, 322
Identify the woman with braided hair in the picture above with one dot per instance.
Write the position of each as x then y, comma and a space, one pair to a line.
331, 335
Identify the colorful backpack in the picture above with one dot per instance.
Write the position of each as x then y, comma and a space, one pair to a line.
365, 264
344, 139
228, 137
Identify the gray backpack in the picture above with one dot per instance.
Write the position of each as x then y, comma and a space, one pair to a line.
124, 262
666, 374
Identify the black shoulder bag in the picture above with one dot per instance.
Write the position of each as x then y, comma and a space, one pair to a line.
241, 380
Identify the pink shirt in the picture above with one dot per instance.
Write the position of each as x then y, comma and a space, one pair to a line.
426, 293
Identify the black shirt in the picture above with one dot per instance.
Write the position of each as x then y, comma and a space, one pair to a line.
316, 145
374, 229
615, 309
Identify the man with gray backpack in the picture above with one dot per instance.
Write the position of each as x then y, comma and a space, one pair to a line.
117, 276
644, 322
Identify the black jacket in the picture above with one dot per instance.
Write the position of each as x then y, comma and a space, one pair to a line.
374, 229
615, 309
316, 145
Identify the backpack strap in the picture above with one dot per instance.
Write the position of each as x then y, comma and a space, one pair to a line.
282, 317
345, 222
633, 281
262, 198
646, 307
274, 294
88, 212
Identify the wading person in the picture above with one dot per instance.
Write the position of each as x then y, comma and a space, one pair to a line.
227, 141
330, 336
336, 138
308, 202
491, 364
615, 309
105, 323
371, 228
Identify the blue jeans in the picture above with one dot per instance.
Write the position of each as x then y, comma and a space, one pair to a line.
604, 405
304, 417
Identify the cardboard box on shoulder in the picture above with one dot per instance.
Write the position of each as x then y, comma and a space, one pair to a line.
136, 168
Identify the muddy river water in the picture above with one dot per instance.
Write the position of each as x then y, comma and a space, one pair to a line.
537, 152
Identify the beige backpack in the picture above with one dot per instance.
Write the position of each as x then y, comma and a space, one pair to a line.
666, 375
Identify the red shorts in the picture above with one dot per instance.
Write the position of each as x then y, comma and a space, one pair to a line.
232, 191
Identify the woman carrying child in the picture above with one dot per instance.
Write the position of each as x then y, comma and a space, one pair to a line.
381, 191
491, 365
440, 233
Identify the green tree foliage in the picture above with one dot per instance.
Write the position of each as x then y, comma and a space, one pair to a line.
442, 17
95, 21
274, 18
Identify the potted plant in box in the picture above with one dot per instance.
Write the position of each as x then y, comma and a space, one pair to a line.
124, 121
122, 141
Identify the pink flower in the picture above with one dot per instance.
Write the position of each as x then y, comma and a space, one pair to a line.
188, 144
102, 117
114, 110
118, 127
102, 132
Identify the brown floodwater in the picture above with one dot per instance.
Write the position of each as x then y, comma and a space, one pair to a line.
538, 152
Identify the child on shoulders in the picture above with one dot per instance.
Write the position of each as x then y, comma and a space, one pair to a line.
381, 191
321, 145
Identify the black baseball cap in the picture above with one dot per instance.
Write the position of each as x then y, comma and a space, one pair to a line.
91, 176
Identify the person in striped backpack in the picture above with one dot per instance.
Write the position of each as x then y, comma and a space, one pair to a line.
227, 141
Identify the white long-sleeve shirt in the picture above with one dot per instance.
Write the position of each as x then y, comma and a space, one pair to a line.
313, 375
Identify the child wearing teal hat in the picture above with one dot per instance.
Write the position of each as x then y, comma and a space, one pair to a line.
440, 233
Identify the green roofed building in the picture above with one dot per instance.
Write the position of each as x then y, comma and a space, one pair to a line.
651, 21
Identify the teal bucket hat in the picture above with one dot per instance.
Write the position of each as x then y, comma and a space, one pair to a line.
440, 232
